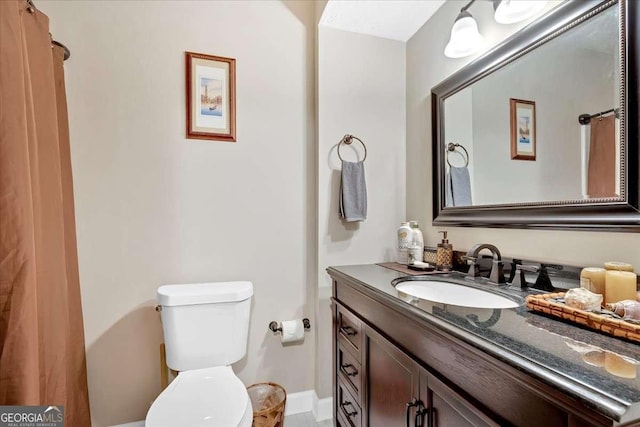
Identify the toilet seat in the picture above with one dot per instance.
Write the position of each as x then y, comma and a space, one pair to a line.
202, 398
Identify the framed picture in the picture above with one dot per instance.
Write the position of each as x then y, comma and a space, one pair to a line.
523, 129
211, 97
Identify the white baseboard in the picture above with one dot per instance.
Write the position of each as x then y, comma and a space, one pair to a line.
308, 401
300, 402
322, 408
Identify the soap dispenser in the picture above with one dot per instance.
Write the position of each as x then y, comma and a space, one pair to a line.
444, 254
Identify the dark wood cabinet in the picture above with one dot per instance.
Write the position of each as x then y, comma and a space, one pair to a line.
348, 405
397, 391
392, 381
391, 369
445, 407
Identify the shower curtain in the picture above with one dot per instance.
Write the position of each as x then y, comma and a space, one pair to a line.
42, 354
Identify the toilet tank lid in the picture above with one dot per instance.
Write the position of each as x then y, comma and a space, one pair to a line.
204, 293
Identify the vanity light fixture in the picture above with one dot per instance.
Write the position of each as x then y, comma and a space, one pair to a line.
512, 11
465, 37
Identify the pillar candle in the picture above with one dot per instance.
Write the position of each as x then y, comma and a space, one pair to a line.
592, 279
620, 266
619, 285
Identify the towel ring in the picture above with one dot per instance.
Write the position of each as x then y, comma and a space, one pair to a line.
348, 139
452, 147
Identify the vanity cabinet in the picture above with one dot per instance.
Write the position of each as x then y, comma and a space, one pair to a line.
386, 356
378, 385
392, 381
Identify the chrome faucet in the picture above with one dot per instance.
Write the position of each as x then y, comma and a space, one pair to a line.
497, 274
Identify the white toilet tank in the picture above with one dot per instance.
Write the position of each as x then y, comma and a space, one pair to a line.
205, 324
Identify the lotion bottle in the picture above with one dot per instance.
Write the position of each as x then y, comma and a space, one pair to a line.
404, 238
444, 253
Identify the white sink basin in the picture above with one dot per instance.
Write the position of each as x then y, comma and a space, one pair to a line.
451, 293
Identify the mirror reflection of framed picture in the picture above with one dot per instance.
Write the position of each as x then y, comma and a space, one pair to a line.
211, 97
523, 129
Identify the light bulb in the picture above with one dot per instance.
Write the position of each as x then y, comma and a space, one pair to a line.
465, 37
512, 11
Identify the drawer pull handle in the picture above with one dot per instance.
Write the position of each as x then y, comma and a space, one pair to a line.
349, 414
420, 413
414, 402
351, 373
348, 330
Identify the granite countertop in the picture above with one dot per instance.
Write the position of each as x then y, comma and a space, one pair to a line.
597, 369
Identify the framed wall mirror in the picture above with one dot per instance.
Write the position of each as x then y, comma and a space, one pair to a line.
542, 131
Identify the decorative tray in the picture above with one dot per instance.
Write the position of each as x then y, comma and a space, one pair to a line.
618, 328
403, 269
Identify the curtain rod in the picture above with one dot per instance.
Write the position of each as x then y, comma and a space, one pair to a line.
585, 119
67, 53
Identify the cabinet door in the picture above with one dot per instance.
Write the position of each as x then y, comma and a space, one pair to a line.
392, 381
446, 407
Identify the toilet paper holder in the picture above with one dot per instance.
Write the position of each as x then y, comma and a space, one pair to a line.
277, 326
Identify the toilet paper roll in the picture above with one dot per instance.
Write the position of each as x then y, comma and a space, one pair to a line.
292, 331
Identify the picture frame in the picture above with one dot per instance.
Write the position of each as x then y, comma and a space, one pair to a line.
523, 129
211, 97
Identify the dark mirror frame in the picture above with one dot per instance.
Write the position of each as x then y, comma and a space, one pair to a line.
620, 214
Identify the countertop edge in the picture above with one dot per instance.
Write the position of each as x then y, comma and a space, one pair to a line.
602, 403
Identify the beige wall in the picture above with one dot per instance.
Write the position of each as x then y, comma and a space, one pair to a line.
153, 207
426, 67
361, 81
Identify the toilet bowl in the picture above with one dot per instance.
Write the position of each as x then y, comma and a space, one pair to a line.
202, 397
205, 327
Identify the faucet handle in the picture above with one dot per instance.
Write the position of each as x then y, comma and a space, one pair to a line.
474, 271
497, 273
543, 281
519, 279
544, 266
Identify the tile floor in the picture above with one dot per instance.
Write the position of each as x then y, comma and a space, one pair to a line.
305, 420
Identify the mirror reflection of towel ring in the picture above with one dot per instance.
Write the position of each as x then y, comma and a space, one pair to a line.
452, 147
348, 139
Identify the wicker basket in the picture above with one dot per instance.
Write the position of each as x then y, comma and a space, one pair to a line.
268, 401
616, 327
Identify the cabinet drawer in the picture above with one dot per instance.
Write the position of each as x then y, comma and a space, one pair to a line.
348, 406
349, 327
340, 422
350, 370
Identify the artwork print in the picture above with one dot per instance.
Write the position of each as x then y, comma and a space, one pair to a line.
523, 129
211, 97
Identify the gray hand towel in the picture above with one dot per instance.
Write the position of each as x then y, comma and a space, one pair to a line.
448, 197
353, 192
458, 187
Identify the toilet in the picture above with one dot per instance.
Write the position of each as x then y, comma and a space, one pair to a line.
205, 328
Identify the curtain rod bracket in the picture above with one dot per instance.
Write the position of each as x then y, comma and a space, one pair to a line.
585, 119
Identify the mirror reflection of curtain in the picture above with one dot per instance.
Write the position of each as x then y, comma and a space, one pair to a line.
42, 353
601, 180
